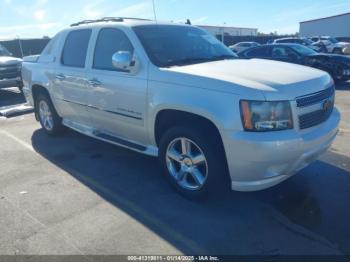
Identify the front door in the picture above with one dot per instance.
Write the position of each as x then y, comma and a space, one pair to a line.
118, 98
284, 54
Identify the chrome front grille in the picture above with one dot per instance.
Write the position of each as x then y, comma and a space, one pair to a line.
315, 98
323, 104
9, 71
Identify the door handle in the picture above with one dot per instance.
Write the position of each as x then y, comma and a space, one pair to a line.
60, 77
94, 82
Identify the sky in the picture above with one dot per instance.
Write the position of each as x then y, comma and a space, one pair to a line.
38, 18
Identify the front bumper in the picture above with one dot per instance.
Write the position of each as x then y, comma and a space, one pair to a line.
258, 161
13, 82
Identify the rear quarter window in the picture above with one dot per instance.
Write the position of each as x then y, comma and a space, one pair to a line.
50, 47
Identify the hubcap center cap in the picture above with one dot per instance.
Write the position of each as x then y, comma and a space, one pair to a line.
187, 162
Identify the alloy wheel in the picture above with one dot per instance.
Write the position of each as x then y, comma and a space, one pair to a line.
187, 164
45, 115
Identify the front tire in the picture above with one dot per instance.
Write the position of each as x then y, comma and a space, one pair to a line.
47, 115
337, 51
192, 162
338, 74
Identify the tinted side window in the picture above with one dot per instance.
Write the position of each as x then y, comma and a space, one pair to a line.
50, 46
109, 42
258, 52
281, 52
75, 48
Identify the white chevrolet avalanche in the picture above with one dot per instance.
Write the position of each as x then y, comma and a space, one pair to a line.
175, 92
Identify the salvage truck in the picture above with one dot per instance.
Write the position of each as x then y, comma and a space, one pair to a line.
175, 92
10, 69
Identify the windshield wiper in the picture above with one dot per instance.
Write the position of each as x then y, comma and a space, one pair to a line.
187, 61
195, 60
223, 57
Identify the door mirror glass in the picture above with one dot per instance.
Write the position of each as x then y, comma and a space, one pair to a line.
123, 61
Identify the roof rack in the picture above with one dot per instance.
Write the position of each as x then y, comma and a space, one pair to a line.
108, 19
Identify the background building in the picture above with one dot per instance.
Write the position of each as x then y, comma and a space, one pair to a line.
335, 26
232, 31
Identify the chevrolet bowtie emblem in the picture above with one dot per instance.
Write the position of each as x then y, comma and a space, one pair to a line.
327, 105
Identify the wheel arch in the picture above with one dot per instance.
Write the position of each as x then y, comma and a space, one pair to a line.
36, 90
168, 118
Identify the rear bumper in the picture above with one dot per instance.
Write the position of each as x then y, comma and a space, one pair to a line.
14, 82
261, 160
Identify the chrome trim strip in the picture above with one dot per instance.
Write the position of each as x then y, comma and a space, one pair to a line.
111, 112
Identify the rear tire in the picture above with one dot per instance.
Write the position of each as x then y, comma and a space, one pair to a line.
193, 163
47, 115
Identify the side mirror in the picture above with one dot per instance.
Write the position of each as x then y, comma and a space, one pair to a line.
124, 61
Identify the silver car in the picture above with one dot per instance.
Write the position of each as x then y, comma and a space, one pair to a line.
10, 69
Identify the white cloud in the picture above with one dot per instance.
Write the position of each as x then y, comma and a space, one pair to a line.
141, 10
23, 29
39, 15
93, 10
41, 2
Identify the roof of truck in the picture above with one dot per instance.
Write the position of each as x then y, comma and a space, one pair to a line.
120, 21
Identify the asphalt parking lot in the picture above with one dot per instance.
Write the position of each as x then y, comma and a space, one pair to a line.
74, 195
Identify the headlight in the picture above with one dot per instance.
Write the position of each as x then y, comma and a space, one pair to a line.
259, 116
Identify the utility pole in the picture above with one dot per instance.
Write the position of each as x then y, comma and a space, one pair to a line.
20, 46
223, 33
154, 10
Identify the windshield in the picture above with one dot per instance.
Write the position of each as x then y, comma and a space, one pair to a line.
308, 41
303, 50
331, 39
173, 45
4, 52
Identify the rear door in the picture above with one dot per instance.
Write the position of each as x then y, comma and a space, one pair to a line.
70, 83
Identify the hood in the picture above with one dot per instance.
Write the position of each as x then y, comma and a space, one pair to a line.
334, 57
271, 79
8, 60
342, 44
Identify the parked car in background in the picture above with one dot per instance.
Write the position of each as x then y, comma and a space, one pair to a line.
346, 50
337, 66
322, 48
10, 69
239, 47
332, 44
190, 102
296, 40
